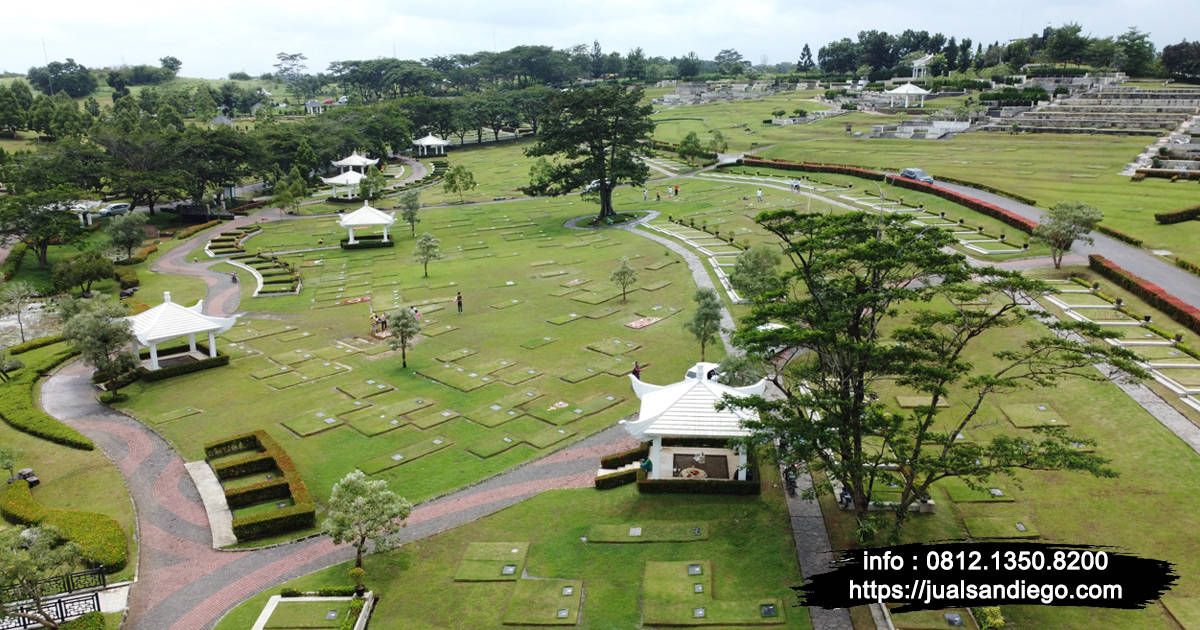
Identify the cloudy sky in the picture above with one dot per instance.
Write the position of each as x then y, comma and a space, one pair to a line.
216, 37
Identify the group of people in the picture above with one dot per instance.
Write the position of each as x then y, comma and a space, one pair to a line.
379, 322
672, 191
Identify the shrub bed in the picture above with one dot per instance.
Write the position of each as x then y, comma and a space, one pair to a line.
89, 621
138, 257
33, 344
367, 243
1153, 294
267, 455
1177, 216
695, 486
12, 263
183, 368
612, 480
187, 232
100, 538
992, 189
1187, 266
257, 493
126, 277
1120, 236
19, 411
616, 460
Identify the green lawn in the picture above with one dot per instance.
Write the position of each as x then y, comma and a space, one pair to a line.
750, 555
290, 615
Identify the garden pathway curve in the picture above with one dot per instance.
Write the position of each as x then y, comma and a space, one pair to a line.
183, 583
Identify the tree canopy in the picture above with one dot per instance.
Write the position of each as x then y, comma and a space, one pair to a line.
362, 510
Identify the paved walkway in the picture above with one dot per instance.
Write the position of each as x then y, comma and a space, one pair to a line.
183, 583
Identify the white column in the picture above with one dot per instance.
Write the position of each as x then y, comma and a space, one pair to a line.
192, 342
385, 234
655, 453
153, 356
212, 345
741, 453
352, 235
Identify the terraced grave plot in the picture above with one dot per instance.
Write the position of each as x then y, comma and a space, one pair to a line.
1105, 315
307, 614
492, 444
1000, 527
295, 335
537, 342
460, 378
292, 358
176, 414
317, 368
960, 492
648, 532
492, 562
454, 355
654, 286
404, 455
541, 263
661, 264
544, 602
246, 332
553, 273
311, 423
429, 418
564, 319
239, 351
593, 297
371, 425
1082, 299
912, 402
333, 353
1029, 415
387, 409
487, 366
564, 292
435, 331
1134, 334
574, 283
364, 388
506, 304
494, 414
537, 433
601, 313
614, 347
562, 412
658, 310
681, 594
286, 379
1188, 377
260, 368
993, 246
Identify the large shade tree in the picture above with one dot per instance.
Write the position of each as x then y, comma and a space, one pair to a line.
875, 299
40, 219
597, 136
26, 559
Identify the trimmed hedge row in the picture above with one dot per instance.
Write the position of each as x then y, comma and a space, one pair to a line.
1153, 294
301, 515
246, 207
612, 480
1120, 236
1187, 266
695, 486
1177, 216
126, 277
33, 344
366, 244
89, 621
186, 232
139, 257
268, 490
623, 458
12, 263
19, 411
183, 368
992, 210
100, 538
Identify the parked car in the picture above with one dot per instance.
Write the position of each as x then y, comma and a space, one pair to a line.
917, 174
113, 210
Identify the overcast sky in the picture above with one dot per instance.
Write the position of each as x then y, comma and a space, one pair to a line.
216, 37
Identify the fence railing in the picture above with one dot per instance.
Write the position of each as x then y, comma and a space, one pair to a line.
69, 583
60, 610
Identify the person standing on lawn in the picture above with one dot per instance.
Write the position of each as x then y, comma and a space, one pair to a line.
458, 300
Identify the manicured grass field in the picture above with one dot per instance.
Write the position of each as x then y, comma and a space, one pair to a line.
321, 358
289, 615
749, 551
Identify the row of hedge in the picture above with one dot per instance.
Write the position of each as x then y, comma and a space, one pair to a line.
266, 455
89, 621
1177, 216
34, 344
100, 538
183, 368
366, 242
1119, 235
1165, 173
139, 256
126, 277
696, 486
187, 232
983, 207
1187, 266
1154, 295
19, 411
12, 263
246, 207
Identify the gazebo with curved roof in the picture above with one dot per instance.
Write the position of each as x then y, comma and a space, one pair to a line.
355, 160
170, 321
687, 409
347, 179
430, 142
907, 90
366, 216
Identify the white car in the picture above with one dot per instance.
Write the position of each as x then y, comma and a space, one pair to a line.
917, 174
113, 210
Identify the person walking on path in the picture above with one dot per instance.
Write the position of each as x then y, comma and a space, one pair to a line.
645, 194
676, 190
760, 195
637, 371
458, 301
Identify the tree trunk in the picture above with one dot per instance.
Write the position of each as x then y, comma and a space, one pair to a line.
358, 553
20, 324
43, 249
426, 270
606, 207
403, 354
